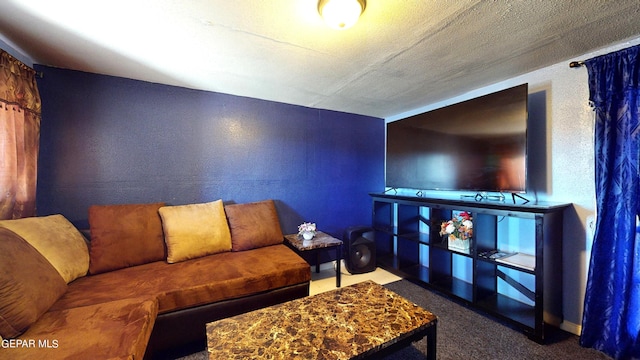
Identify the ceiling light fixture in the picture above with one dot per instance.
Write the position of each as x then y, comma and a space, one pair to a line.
341, 14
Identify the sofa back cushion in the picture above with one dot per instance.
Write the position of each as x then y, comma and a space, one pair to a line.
57, 240
125, 235
29, 284
254, 225
195, 230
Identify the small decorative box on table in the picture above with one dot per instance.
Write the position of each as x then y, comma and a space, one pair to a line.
320, 241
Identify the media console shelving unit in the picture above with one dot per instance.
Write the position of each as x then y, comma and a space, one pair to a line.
408, 243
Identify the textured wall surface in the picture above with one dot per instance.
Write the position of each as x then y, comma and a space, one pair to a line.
108, 140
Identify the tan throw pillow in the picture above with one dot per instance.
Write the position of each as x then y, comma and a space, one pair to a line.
57, 240
125, 235
195, 230
29, 284
254, 225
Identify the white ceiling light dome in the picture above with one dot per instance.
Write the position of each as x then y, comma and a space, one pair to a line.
341, 14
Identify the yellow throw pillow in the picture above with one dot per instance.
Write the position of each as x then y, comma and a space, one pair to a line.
57, 240
195, 230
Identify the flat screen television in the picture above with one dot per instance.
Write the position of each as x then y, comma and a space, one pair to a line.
476, 145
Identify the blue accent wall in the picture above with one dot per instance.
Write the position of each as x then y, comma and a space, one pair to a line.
109, 140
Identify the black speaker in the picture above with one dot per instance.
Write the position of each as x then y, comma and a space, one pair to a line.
360, 248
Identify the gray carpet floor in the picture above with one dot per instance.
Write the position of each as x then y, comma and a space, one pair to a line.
466, 334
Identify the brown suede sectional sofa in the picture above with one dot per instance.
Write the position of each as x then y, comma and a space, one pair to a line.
148, 281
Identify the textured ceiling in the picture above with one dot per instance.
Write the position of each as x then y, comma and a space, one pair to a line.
401, 55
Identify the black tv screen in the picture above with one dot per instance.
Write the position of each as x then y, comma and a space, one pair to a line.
475, 145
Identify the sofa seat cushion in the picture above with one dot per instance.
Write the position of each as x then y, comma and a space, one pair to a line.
193, 282
113, 330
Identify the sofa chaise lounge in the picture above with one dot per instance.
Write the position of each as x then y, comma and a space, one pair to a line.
148, 280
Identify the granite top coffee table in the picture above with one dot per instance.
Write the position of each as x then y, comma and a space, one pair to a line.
354, 322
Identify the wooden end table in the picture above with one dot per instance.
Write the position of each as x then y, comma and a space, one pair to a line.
321, 241
360, 321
